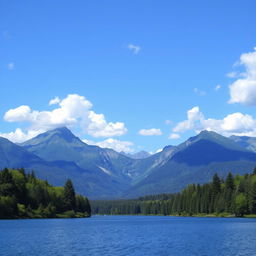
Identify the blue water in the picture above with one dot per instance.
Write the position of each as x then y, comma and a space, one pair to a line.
129, 235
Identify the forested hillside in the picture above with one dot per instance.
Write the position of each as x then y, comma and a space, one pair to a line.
24, 196
232, 196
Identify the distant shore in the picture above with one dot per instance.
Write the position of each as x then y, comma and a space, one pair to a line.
226, 215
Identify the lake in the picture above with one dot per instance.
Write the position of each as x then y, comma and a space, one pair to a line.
129, 235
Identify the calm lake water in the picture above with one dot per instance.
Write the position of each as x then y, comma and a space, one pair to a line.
129, 235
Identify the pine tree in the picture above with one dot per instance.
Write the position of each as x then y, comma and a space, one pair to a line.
6, 176
216, 184
252, 199
216, 189
230, 182
229, 188
7, 186
69, 196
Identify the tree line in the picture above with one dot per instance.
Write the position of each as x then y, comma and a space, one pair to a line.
221, 197
22, 195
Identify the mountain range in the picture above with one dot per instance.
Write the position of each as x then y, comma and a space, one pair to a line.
102, 173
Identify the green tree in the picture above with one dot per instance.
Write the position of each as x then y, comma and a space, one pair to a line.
69, 196
216, 184
25, 196
252, 198
240, 205
7, 186
82, 204
230, 182
8, 207
215, 190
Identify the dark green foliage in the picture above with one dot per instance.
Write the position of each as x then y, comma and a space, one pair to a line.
7, 187
252, 198
24, 196
8, 207
82, 204
216, 185
230, 182
69, 196
234, 196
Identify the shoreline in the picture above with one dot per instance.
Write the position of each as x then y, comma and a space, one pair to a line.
58, 216
195, 215
250, 216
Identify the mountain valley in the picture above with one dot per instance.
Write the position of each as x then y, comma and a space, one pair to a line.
102, 173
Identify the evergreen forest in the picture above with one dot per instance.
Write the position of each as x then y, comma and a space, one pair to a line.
232, 196
22, 195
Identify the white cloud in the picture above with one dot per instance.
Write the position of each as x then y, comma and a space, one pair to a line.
238, 122
233, 124
19, 136
98, 127
168, 122
217, 87
117, 145
19, 114
54, 101
174, 136
72, 111
10, 66
150, 132
134, 48
243, 90
194, 119
199, 92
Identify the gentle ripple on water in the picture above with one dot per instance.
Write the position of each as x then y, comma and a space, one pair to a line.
129, 235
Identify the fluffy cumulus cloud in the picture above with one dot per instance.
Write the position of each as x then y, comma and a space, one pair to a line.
98, 126
19, 136
117, 145
150, 132
19, 114
72, 111
134, 48
233, 124
194, 120
243, 90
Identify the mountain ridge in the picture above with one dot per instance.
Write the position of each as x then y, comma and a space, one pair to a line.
105, 173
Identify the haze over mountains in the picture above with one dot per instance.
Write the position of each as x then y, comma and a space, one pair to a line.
103, 173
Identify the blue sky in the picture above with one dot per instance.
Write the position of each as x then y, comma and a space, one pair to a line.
119, 67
